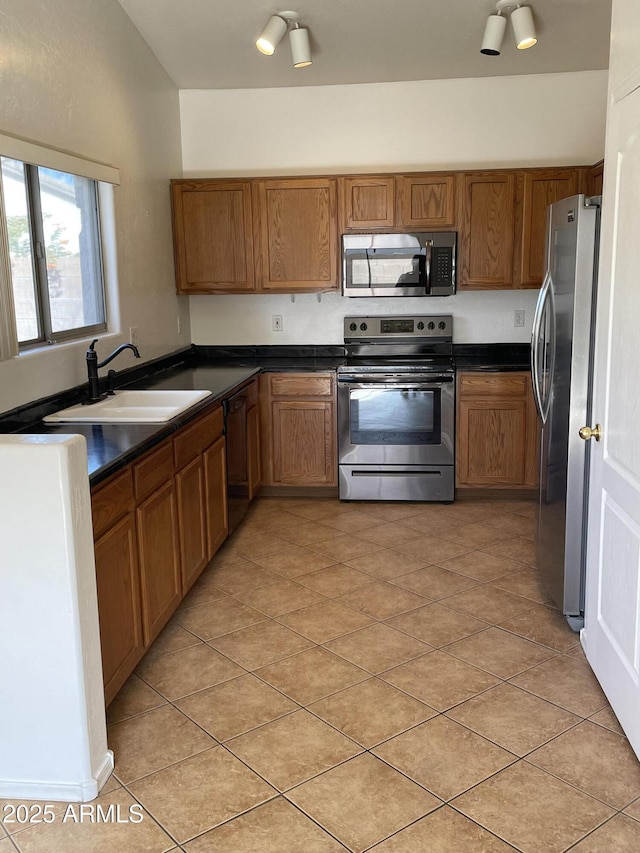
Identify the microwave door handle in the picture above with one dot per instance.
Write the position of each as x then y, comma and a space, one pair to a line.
425, 260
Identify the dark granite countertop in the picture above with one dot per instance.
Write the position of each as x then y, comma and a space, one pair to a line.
220, 370
111, 446
492, 357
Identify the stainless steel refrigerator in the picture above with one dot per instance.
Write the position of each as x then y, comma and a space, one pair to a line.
561, 374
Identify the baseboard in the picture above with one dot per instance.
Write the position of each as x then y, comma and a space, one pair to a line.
298, 492
66, 792
465, 494
526, 493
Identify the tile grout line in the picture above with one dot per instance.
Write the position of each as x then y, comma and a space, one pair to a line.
554, 654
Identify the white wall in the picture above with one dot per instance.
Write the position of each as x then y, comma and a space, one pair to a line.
79, 77
538, 120
479, 317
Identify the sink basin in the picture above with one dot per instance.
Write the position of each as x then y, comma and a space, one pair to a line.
131, 407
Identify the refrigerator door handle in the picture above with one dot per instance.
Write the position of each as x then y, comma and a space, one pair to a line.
535, 345
550, 361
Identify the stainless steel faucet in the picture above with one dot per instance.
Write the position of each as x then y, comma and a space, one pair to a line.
93, 366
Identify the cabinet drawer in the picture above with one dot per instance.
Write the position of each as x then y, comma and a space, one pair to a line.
153, 470
195, 439
493, 384
301, 385
111, 501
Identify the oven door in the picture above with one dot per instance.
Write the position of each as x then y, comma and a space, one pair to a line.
396, 421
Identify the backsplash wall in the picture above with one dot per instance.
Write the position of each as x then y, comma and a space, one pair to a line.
534, 120
479, 317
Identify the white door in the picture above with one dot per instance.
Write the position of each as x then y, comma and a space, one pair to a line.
611, 635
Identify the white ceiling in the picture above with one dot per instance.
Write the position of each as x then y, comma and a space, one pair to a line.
210, 44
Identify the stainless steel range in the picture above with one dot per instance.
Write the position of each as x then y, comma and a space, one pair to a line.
396, 409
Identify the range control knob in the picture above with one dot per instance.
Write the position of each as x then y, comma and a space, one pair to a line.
431, 325
420, 325
353, 327
363, 327
442, 324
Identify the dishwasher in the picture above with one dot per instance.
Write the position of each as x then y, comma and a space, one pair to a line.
235, 427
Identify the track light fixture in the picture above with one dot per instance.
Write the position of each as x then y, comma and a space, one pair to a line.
274, 31
524, 29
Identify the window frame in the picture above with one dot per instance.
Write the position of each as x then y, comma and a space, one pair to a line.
105, 177
35, 222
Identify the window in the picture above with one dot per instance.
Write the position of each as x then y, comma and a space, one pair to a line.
54, 249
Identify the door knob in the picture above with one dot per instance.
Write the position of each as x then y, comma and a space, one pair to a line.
586, 432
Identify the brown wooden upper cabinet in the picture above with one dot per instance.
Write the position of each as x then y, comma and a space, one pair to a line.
213, 236
426, 201
541, 188
594, 179
408, 202
367, 202
296, 234
486, 204
255, 236
282, 235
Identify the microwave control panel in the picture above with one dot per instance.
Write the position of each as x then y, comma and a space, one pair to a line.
441, 266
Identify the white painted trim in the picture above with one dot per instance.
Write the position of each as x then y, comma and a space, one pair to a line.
8, 330
52, 158
627, 86
74, 792
52, 715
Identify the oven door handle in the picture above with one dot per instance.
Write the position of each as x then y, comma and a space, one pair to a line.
397, 386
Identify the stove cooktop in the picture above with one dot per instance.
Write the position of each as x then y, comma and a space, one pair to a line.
408, 328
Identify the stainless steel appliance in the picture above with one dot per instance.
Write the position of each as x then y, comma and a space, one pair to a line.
399, 264
561, 372
396, 409
235, 427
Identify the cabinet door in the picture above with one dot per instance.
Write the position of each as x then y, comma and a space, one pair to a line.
254, 468
297, 234
541, 188
118, 585
367, 202
487, 210
215, 477
159, 553
498, 431
426, 201
304, 450
192, 521
492, 442
213, 236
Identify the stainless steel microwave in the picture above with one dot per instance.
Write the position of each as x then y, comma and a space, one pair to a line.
399, 264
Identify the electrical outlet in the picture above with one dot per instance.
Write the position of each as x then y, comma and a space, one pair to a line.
133, 335
518, 318
276, 322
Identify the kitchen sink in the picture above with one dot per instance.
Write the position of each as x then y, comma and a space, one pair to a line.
131, 407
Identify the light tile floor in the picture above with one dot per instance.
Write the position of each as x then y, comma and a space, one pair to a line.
367, 676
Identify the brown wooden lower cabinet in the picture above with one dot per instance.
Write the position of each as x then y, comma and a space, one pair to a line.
215, 477
118, 585
497, 431
192, 521
155, 529
159, 553
299, 429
